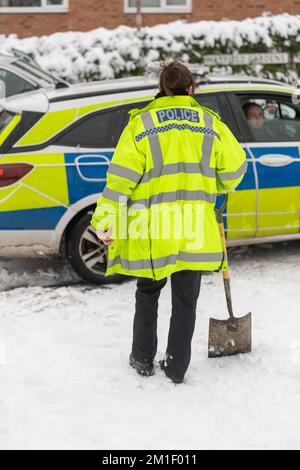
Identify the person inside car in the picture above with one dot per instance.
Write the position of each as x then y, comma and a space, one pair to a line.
255, 116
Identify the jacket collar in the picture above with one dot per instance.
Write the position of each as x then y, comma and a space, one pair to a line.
165, 102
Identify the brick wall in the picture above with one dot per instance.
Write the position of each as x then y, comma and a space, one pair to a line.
85, 15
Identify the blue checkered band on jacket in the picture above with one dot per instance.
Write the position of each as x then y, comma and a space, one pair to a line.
180, 127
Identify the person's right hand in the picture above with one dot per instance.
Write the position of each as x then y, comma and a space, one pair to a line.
105, 237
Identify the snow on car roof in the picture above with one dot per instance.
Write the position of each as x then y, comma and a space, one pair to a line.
6, 59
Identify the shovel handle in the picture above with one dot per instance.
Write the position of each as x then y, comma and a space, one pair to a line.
226, 275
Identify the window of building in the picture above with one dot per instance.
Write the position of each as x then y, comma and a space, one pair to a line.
38, 6
159, 6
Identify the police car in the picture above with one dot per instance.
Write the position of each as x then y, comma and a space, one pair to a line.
56, 147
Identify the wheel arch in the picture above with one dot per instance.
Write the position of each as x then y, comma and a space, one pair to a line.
68, 228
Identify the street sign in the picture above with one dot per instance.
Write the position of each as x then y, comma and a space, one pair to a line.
248, 59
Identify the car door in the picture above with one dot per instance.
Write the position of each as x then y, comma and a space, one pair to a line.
240, 215
271, 125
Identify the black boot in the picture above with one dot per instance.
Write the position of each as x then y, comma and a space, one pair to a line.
144, 368
169, 373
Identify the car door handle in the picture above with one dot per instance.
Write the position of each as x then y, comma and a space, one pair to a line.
83, 161
276, 160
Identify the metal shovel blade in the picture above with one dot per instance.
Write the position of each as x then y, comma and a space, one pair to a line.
230, 337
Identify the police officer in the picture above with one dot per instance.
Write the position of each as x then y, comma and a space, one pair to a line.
157, 216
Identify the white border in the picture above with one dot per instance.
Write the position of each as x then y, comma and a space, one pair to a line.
164, 8
44, 8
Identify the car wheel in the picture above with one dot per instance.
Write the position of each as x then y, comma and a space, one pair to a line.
87, 254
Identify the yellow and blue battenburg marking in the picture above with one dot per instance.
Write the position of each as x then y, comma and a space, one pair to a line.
38, 200
25, 209
35, 203
279, 191
41, 198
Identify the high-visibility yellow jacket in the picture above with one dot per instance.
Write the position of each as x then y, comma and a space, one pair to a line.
172, 160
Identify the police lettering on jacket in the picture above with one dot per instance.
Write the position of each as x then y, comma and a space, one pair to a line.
177, 114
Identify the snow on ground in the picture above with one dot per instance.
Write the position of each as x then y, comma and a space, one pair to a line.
65, 382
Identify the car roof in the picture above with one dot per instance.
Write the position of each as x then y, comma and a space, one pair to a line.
217, 78
206, 83
122, 85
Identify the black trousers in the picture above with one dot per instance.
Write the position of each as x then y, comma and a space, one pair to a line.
185, 287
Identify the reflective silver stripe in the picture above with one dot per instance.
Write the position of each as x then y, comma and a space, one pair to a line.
171, 196
169, 169
154, 144
207, 148
174, 169
167, 260
234, 174
130, 265
188, 257
174, 196
113, 195
119, 170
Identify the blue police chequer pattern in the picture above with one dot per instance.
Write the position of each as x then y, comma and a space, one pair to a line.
180, 127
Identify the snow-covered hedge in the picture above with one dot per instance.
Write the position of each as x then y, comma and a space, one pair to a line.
103, 53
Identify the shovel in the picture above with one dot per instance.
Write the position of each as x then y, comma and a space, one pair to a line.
232, 336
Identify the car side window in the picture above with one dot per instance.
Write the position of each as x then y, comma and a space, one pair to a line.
271, 119
209, 101
126, 109
93, 131
14, 84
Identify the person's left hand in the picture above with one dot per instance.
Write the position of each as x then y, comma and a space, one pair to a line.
105, 237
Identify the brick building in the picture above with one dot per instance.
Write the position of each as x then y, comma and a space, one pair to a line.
38, 17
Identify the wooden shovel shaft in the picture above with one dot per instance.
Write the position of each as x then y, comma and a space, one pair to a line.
226, 275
